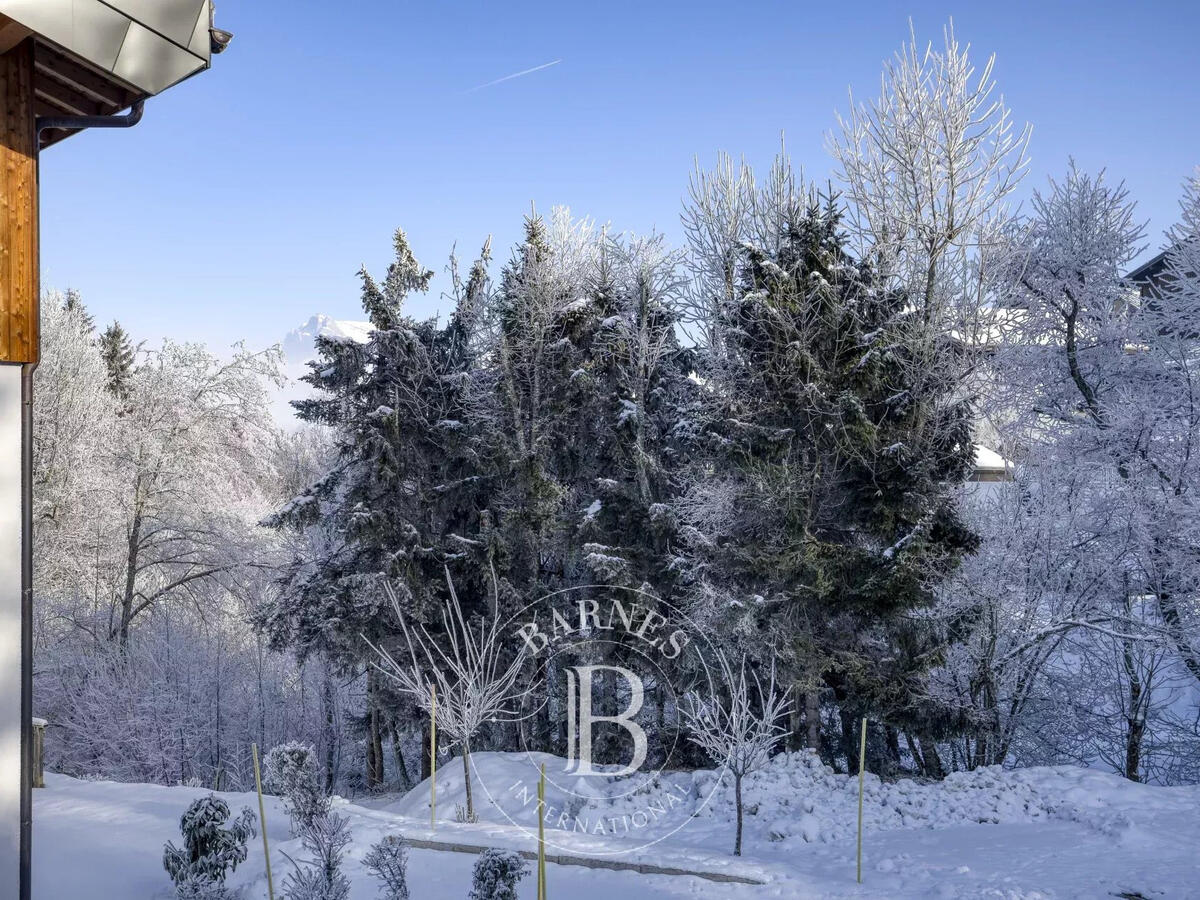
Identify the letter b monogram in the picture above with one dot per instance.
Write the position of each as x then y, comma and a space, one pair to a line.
579, 703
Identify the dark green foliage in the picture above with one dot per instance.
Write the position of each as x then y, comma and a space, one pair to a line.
496, 875
834, 432
118, 353
405, 497
209, 851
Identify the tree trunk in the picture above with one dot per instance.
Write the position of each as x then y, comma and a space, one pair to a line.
398, 756
131, 561
1135, 723
933, 762
737, 793
426, 758
375, 777
812, 720
466, 761
328, 701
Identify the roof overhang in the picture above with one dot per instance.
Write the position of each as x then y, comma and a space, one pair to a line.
97, 57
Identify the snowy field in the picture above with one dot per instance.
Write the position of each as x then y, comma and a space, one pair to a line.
1036, 833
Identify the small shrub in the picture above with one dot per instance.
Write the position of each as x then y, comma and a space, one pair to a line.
291, 773
321, 878
209, 851
496, 875
462, 816
388, 861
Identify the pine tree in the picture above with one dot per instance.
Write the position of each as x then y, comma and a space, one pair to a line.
74, 303
820, 516
407, 495
118, 352
590, 380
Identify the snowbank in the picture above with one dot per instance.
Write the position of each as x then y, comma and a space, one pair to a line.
1034, 833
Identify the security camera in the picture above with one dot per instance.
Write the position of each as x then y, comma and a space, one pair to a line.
218, 39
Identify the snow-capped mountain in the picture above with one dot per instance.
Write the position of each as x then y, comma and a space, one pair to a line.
299, 348
300, 344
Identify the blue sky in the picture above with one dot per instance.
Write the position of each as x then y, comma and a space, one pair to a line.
249, 196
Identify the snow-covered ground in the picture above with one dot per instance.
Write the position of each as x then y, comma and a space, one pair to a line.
1049, 832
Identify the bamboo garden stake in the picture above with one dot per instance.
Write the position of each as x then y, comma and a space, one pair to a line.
432, 758
541, 860
862, 759
262, 820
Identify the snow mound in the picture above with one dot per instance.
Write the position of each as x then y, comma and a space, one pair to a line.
794, 801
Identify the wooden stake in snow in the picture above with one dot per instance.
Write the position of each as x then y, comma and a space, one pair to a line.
862, 767
432, 757
262, 820
541, 860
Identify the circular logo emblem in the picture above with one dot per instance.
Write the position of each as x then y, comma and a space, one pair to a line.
611, 668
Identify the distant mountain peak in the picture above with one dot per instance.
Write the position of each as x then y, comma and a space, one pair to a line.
299, 346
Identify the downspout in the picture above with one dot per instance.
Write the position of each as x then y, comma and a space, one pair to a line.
42, 123
128, 120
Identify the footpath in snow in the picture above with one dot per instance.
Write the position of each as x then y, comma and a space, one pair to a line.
1035, 833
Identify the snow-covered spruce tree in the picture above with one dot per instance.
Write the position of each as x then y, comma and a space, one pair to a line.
406, 494
290, 771
475, 676
739, 727
210, 851
387, 860
496, 875
590, 383
321, 877
119, 355
821, 513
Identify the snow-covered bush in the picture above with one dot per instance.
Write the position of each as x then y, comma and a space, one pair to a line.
321, 878
291, 773
209, 851
388, 861
496, 875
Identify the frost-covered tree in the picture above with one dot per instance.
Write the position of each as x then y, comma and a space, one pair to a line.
189, 463
387, 860
1098, 379
404, 497
591, 387
73, 479
191, 687
496, 875
462, 670
119, 355
321, 878
821, 511
928, 167
290, 771
210, 851
739, 727
1051, 561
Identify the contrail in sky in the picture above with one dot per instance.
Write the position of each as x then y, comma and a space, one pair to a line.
480, 87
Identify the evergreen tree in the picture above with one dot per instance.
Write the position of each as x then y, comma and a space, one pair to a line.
209, 851
406, 495
118, 352
820, 517
72, 302
590, 380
